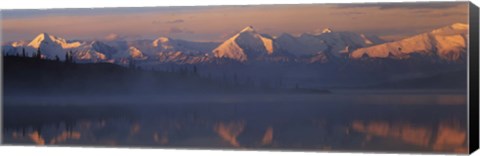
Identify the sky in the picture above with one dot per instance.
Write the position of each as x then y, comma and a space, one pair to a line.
390, 21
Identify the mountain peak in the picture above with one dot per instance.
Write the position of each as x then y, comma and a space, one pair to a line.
327, 30
456, 28
248, 29
247, 43
42, 37
459, 26
448, 43
163, 39
43, 34
286, 35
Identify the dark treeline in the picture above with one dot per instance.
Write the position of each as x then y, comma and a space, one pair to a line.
35, 75
25, 75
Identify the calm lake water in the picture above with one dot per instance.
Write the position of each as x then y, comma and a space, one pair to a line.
342, 121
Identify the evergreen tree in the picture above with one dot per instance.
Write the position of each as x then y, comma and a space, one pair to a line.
70, 57
66, 57
57, 58
23, 53
39, 54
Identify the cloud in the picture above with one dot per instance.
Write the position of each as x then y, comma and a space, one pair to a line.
176, 30
410, 6
176, 21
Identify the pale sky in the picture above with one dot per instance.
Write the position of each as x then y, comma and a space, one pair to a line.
216, 23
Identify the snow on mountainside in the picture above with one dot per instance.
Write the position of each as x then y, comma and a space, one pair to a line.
135, 53
448, 43
166, 44
45, 39
132, 52
168, 50
162, 49
95, 51
248, 45
336, 43
50, 45
244, 45
19, 43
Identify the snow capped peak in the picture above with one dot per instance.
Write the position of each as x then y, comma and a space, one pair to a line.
135, 53
247, 43
459, 26
43, 35
448, 43
162, 42
162, 39
44, 38
50, 45
327, 30
102, 47
248, 29
19, 43
456, 28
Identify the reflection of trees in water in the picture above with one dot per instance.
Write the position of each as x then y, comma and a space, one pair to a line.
448, 136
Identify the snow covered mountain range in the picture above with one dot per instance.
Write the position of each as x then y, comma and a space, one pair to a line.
447, 43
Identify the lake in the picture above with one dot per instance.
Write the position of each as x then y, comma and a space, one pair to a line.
376, 121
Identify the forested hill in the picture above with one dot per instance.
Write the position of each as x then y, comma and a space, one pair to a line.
25, 75
35, 76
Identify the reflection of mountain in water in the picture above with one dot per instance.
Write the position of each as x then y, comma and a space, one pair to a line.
447, 136
443, 137
303, 126
230, 131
